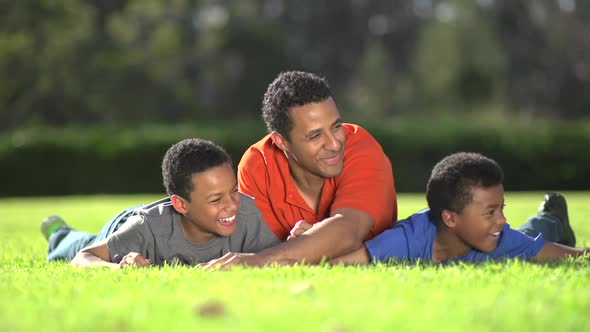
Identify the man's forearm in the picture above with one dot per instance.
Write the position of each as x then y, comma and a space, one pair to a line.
359, 256
332, 237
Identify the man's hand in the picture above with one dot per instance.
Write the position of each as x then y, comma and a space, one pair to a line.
134, 259
332, 237
232, 259
299, 228
244, 259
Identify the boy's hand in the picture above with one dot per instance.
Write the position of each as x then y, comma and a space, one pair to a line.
134, 259
299, 228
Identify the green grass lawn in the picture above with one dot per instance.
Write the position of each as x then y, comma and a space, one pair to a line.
505, 296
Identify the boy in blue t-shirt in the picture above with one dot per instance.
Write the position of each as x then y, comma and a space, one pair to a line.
465, 221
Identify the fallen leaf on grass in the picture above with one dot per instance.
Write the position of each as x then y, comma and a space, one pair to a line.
210, 308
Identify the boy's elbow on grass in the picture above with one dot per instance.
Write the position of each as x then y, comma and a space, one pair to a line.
95, 255
87, 259
81, 259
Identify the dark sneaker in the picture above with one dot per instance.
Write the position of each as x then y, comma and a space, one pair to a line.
51, 224
555, 205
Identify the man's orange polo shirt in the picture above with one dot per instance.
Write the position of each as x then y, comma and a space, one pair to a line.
365, 183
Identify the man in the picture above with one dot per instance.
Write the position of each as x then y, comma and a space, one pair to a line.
203, 218
325, 184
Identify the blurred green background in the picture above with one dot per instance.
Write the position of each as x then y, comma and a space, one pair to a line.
92, 92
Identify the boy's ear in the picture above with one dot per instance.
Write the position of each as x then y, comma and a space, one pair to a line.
278, 140
448, 218
179, 204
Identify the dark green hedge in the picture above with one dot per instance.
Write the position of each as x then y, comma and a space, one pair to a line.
532, 159
111, 160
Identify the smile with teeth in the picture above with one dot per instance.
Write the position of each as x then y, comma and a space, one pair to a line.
495, 233
227, 220
333, 159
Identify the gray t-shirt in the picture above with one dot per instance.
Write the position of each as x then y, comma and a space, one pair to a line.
155, 232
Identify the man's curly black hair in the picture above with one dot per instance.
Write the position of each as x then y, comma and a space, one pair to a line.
187, 157
290, 89
452, 179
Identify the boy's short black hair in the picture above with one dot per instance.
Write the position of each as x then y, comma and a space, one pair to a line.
452, 178
291, 89
187, 157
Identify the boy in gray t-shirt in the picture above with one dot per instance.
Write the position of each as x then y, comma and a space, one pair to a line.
203, 218
156, 232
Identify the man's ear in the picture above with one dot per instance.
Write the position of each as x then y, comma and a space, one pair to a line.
179, 204
278, 140
448, 218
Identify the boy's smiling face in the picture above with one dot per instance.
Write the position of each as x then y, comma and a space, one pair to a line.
213, 206
480, 223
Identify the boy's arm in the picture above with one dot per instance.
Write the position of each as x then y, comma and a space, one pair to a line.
94, 255
554, 251
98, 255
359, 256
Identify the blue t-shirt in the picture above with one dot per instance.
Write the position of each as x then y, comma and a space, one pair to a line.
412, 239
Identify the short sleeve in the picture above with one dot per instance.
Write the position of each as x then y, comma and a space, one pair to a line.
133, 236
367, 182
391, 244
252, 181
251, 173
514, 244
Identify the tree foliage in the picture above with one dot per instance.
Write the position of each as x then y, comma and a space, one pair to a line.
124, 61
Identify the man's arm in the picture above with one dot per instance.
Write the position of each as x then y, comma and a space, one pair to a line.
359, 256
332, 237
554, 251
97, 255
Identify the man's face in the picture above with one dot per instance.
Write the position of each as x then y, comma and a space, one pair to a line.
214, 204
480, 223
316, 144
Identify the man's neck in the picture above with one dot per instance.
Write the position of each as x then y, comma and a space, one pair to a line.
309, 185
447, 245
